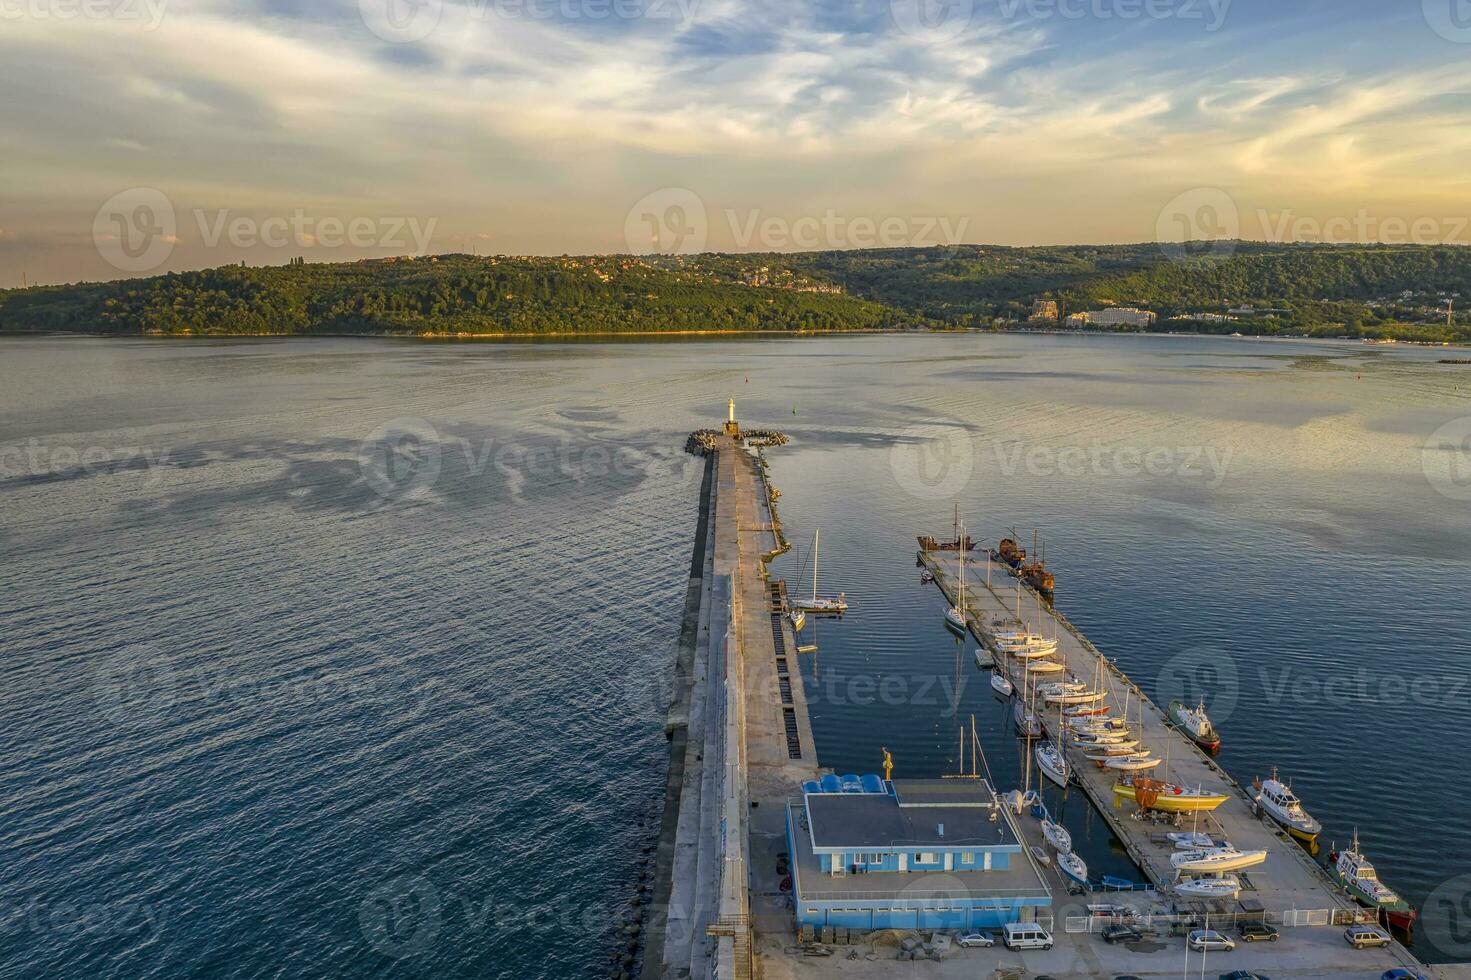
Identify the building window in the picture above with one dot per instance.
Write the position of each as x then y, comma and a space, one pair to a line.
927, 858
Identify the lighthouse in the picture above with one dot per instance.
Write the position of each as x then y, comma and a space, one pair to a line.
731, 428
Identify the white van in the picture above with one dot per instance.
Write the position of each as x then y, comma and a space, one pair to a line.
1026, 935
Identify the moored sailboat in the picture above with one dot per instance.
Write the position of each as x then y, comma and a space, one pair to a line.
1216, 859
1152, 794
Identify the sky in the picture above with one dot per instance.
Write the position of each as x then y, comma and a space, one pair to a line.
145, 136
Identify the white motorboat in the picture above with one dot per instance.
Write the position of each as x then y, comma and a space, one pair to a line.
1057, 835
999, 683
798, 618
1074, 867
1052, 763
1226, 886
1215, 860
1277, 799
1191, 840
1041, 855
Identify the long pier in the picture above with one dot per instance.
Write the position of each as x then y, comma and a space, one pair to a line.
1292, 888
740, 739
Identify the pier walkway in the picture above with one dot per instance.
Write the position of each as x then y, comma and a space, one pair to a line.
740, 740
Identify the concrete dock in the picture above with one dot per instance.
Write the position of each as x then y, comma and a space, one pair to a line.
740, 740
1293, 888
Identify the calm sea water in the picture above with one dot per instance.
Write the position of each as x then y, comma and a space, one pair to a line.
329, 657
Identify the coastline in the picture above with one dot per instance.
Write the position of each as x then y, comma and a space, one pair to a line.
605, 335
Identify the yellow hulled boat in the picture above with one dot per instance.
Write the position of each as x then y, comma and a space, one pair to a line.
1151, 794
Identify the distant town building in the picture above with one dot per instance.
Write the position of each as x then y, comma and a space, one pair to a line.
1116, 316
1045, 309
1206, 317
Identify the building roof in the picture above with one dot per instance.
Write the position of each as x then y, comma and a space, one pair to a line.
925, 813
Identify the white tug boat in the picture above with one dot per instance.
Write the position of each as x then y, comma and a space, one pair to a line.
1216, 859
1057, 836
1277, 799
1074, 867
1226, 886
1356, 874
1052, 763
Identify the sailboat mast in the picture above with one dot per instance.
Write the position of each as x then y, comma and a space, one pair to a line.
815, 537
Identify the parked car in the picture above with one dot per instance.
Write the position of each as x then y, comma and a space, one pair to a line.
976, 940
1121, 934
1401, 974
1202, 940
1026, 935
1254, 931
1244, 975
1364, 936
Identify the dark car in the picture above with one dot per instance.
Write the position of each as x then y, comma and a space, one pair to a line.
1253, 931
1121, 934
1244, 975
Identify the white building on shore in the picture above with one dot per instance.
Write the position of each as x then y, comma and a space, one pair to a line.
1114, 316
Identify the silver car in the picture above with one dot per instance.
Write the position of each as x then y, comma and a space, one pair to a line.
976, 940
1202, 940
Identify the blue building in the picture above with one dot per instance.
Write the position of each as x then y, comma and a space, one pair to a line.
909, 854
